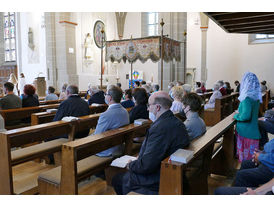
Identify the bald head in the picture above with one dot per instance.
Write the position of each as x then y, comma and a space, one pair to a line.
161, 98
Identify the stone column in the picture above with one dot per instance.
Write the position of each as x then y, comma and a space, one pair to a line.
204, 27
61, 49
66, 49
51, 49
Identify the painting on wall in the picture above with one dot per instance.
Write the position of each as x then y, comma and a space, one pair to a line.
97, 34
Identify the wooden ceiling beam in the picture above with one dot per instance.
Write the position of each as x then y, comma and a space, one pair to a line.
242, 15
255, 31
250, 26
213, 14
248, 21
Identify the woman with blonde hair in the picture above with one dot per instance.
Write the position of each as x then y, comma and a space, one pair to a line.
177, 95
13, 80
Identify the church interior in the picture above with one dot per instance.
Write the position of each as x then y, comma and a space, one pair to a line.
89, 52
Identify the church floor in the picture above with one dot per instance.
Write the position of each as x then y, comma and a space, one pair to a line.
25, 175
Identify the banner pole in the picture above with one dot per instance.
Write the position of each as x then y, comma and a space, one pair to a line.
102, 47
162, 53
131, 83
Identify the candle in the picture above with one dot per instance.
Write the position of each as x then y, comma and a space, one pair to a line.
117, 73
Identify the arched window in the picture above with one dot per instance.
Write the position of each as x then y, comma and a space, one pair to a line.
9, 36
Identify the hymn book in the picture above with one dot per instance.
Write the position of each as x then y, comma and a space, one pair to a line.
182, 155
51, 110
122, 161
140, 121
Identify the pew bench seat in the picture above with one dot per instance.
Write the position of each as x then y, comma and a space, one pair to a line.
49, 181
28, 153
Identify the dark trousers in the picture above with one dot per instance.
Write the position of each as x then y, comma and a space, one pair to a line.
120, 185
233, 191
230, 190
251, 175
265, 127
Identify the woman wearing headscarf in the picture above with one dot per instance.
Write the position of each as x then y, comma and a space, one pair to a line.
247, 130
13, 80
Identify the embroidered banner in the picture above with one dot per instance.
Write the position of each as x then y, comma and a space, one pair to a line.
142, 49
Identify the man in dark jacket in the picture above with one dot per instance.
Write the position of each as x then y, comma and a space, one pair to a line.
96, 96
73, 106
165, 136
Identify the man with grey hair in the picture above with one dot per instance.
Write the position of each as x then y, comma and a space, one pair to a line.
74, 106
96, 96
186, 88
216, 95
164, 137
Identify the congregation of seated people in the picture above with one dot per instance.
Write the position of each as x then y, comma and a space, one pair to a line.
167, 133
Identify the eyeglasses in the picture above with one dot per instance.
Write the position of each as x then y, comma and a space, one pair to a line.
107, 94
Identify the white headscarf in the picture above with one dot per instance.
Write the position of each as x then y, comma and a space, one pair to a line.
250, 87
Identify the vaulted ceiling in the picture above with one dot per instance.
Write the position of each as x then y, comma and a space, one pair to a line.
244, 22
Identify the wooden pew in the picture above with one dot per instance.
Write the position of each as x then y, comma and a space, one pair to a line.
21, 113
223, 107
79, 160
44, 117
23, 136
173, 174
58, 101
37, 133
205, 95
32, 134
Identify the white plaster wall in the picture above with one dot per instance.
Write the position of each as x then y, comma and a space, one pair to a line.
229, 56
194, 43
223, 55
31, 69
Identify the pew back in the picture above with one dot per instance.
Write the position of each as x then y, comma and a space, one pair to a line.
44, 117
173, 173
223, 107
37, 133
22, 113
83, 148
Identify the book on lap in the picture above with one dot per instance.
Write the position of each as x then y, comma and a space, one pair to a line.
182, 155
122, 161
